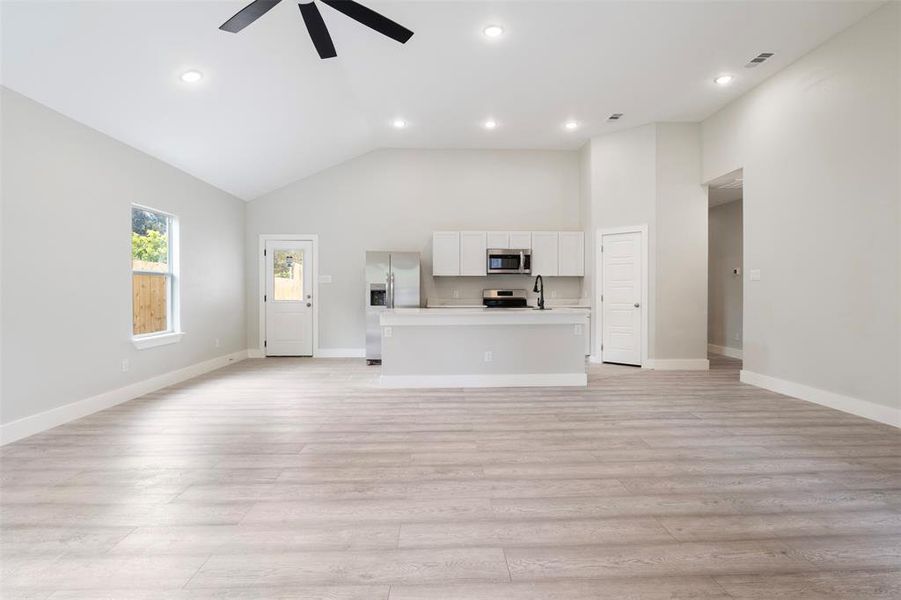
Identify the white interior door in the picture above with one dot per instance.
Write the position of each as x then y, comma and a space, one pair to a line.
289, 298
621, 299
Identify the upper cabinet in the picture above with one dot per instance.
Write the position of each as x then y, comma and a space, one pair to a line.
463, 253
570, 254
510, 240
446, 253
473, 260
544, 253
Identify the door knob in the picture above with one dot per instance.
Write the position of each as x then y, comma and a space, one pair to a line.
309, 304
636, 305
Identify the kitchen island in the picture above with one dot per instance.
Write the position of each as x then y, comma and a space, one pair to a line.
483, 347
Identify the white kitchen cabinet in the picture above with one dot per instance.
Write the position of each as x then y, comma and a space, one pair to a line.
446, 253
498, 239
520, 240
571, 254
510, 240
462, 253
473, 261
544, 253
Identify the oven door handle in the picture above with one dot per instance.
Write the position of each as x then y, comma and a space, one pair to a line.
522, 261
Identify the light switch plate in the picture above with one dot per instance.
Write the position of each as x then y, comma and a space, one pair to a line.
386, 332
325, 279
755, 274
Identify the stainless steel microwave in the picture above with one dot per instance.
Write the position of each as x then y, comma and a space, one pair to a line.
509, 261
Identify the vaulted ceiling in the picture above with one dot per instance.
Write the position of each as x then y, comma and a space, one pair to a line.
268, 111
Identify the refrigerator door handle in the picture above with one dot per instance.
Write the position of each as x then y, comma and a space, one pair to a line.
388, 289
393, 291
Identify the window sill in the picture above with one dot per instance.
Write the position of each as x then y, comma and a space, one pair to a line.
162, 339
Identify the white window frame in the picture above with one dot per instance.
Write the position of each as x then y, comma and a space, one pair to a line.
173, 332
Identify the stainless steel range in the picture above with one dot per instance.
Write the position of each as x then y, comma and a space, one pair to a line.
505, 298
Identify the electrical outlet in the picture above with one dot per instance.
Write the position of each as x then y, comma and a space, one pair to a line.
755, 274
553, 293
125, 365
456, 293
489, 356
386, 332
217, 342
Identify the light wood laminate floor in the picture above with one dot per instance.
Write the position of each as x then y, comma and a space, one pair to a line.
298, 479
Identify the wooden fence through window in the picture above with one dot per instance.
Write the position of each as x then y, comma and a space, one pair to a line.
149, 303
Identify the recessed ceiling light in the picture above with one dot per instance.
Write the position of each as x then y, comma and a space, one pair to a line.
493, 31
399, 123
571, 125
723, 79
191, 76
490, 124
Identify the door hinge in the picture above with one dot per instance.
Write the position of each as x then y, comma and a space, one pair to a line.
264, 297
602, 247
265, 343
602, 297
264, 252
602, 346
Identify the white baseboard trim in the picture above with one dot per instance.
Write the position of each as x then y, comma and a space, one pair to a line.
341, 353
677, 364
854, 406
488, 380
27, 426
725, 351
320, 353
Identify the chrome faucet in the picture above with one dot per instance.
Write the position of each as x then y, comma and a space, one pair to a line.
539, 289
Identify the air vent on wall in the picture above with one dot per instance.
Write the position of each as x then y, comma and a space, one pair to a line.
615, 117
757, 60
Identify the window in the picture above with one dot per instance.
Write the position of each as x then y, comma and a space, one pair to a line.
154, 281
287, 273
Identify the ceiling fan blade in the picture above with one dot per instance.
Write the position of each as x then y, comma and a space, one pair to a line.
248, 15
371, 19
318, 32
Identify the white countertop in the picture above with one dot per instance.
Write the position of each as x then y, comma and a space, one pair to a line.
483, 316
477, 303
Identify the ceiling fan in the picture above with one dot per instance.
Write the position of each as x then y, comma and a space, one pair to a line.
316, 26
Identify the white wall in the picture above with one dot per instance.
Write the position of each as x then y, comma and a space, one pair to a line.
651, 175
393, 200
681, 226
589, 284
623, 193
66, 250
724, 294
819, 144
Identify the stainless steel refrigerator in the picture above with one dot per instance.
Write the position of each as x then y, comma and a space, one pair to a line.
392, 281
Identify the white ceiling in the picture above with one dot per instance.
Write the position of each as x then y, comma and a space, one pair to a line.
726, 188
269, 111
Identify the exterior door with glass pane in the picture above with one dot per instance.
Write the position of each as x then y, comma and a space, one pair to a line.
289, 298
